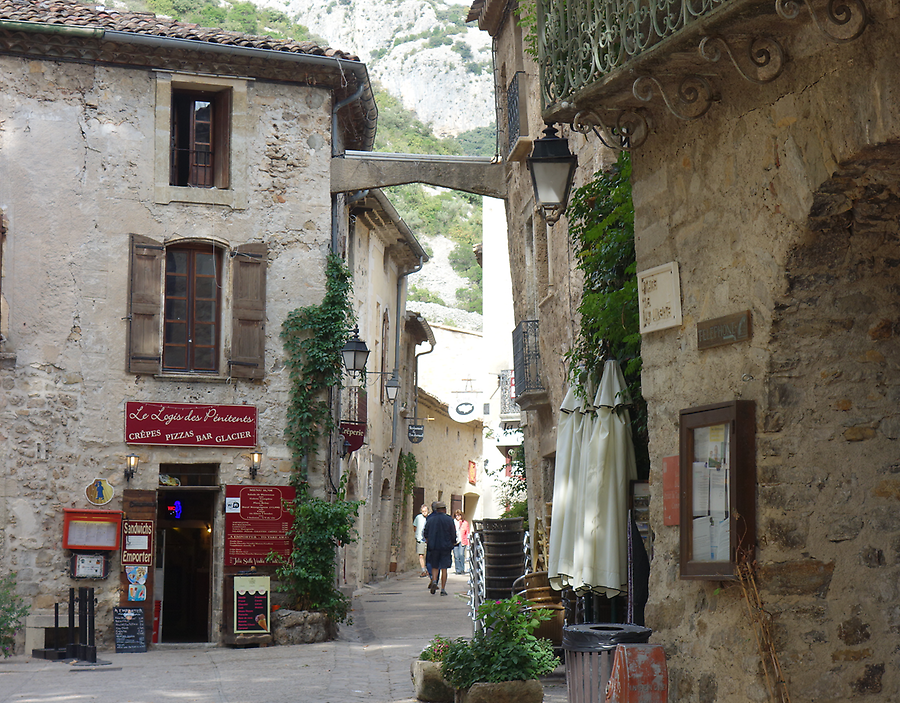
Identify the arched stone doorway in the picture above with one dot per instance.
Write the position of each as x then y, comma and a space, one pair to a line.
828, 461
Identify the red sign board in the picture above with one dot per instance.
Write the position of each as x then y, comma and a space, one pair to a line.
256, 523
473, 472
190, 425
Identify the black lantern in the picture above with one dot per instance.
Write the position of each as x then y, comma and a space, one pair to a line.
131, 464
552, 168
355, 353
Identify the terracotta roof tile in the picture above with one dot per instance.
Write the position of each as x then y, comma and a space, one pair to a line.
68, 12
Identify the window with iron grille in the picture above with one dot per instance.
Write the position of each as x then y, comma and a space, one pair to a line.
527, 357
514, 119
508, 405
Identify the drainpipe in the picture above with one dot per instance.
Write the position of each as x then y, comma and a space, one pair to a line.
401, 281
416, 376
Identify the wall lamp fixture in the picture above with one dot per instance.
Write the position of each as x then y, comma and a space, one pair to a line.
255, 463
552, 168
355, 353
131, 464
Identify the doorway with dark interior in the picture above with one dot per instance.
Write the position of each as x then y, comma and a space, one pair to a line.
188, 494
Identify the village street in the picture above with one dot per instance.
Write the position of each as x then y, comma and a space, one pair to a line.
392, 622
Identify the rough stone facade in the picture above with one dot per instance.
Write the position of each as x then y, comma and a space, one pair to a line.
84, 166
781, 200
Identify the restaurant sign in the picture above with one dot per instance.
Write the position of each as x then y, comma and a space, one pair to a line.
190, 424
257, 523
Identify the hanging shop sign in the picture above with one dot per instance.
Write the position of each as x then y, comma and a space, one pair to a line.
416, 433
190, 425
462, 408
257, 521
354, 434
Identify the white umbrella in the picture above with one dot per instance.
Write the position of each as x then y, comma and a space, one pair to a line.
597, 493
563, 525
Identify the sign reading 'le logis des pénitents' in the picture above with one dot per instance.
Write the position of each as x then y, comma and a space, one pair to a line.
190, 424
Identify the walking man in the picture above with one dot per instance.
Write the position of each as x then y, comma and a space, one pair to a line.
419, 524
440, 536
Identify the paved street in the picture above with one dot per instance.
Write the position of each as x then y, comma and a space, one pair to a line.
393, 621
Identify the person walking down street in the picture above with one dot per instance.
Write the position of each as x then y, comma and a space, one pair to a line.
462, 541
440, 535
419, 524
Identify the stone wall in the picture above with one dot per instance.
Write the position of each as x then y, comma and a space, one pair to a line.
77, 157
782, 200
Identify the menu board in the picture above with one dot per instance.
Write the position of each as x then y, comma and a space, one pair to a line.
257, 522
251, 603
130, 633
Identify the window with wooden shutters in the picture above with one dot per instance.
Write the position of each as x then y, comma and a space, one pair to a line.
248, 325
177, 324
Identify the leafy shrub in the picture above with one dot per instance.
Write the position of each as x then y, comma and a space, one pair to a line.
12, 610
504, 650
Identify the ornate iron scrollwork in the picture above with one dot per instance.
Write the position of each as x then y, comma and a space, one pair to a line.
851, 16
629, 131
764, 54
694, 95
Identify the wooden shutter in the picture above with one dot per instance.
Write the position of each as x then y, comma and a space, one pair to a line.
222, 138
144, 305
248, 320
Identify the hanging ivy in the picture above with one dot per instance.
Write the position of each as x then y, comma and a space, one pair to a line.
601, 217
408, 469
313, 338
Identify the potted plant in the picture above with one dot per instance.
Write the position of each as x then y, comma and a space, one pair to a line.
503, 661
426, 673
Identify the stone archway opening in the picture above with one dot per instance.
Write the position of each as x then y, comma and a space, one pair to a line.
829, 477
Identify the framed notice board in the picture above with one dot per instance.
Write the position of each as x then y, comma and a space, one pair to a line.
717, 462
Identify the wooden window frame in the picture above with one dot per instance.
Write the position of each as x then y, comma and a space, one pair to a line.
196, 161
192, 300
738, 417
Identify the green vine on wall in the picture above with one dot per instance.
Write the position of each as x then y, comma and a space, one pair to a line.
313, 337
408, 469
601, 217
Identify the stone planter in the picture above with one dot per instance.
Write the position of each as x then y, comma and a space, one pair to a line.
302, 627
428, 682
530, 691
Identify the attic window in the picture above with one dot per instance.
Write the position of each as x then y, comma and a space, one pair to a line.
200, 138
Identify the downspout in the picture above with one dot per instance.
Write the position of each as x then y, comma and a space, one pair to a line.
416, 376
401, 281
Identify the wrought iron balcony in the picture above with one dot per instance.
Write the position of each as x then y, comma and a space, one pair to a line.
527, 365
603, 61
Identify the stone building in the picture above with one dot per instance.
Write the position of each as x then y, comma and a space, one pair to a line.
165, 203
764, 141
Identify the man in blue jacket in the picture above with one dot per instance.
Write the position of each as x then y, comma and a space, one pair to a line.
440, 537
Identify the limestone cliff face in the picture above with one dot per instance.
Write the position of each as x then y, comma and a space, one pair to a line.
419, 50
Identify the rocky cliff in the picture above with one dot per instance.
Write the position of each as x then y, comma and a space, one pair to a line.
419, 50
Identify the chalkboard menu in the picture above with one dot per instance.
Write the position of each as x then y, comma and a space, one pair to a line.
129, 628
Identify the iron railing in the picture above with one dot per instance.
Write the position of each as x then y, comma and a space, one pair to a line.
527, 358
581, 41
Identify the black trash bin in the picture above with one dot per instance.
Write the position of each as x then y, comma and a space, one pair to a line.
590, 650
